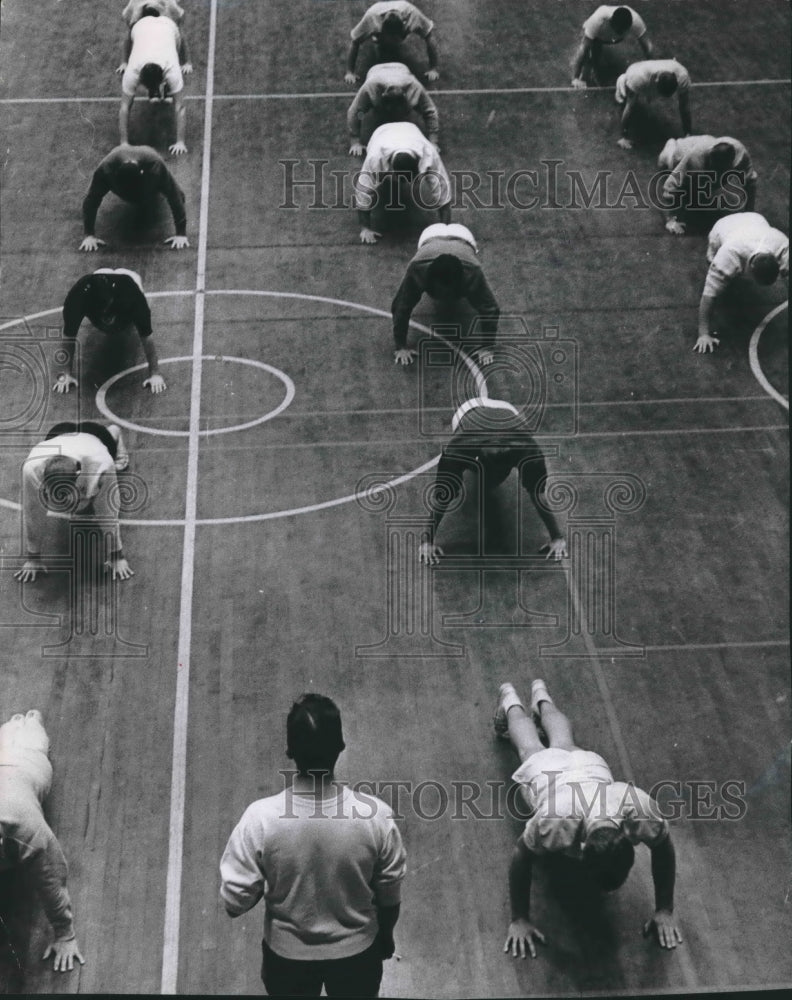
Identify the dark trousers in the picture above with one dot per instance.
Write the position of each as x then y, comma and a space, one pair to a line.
357, 976
86, 427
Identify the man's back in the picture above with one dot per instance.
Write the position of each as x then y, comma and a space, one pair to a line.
322, 865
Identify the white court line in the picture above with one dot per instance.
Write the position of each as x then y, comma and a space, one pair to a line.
753, 357
170, 944
349, 94
696, 646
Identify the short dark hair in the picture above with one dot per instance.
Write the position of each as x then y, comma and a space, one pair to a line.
667, 84
721, 157
394, 106
764, 268
446, 273
149, 10
393, 26
151, 76
609, 856
621, 19
405, 163
314, 738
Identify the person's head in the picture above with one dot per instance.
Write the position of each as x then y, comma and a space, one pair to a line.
445, 277
59, 490
149, 10
314, 738
608, 855
764, 268
667, 84
153, 79
721, 158
394, 106
130, 170
393, 29
621, 20
405, 165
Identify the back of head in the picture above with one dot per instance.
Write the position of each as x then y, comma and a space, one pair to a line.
621, 20
149, 10
405, 163
445, 276
129, 170
394, 106
152, 77
314, 737
764, 268
59, 483
667, 84
393, 28
721, 157
608, 856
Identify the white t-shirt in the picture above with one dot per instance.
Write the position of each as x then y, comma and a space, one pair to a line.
96, 484
432, 186
598, 26
322, 866
573, 792
734, 240
641, 77
154, 40
412, 19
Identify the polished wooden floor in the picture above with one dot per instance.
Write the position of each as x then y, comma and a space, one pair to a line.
680, 673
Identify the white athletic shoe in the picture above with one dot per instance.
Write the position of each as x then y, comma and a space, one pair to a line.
539, 694
507, 698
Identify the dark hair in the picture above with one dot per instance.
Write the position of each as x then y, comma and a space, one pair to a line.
721, 157
621, 19
667, 84
609, 856
394, 106
764, 268
393, 26
445, 273
151, 76
405, 163
314, 738
149, 11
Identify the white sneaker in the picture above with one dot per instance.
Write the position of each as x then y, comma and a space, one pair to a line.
539, 694
507, 698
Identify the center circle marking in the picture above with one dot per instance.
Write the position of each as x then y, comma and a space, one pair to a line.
102, 405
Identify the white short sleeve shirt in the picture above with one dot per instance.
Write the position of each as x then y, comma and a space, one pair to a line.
154, 40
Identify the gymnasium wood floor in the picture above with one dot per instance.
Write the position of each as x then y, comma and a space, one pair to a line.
225, 623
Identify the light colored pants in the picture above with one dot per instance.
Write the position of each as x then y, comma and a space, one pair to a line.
24, 745
451, 230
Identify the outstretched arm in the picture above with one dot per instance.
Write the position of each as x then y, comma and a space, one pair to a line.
663, 876
433, 55
405, 300
707, 340
179, 146
98, 189
581, 56
448, 485
155, 381
123, 117
520, 938
684, 112
352, 56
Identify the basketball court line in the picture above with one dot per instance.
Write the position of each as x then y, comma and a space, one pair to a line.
172, 920
349, 94
753, 357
